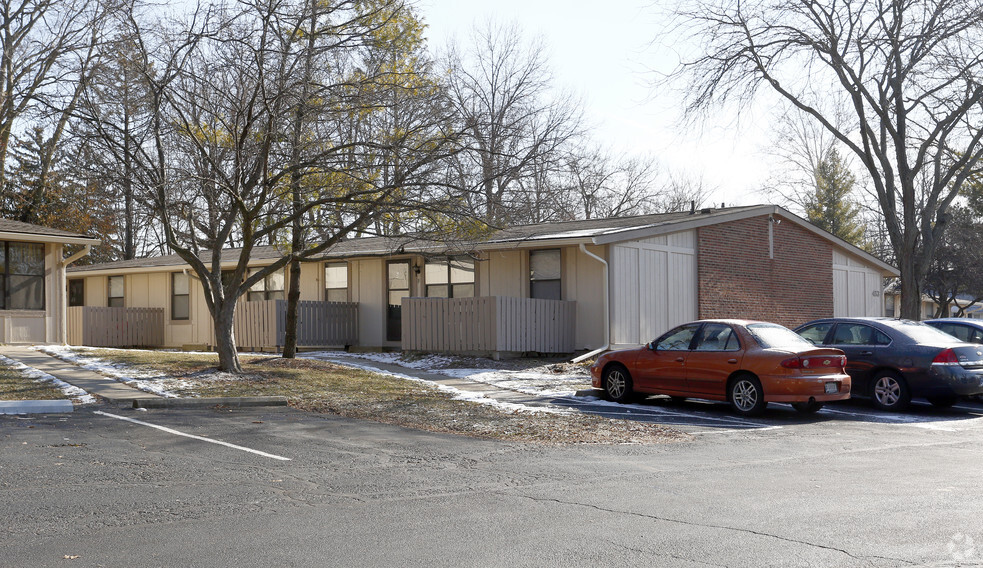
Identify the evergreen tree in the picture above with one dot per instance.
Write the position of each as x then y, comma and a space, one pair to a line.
830, 207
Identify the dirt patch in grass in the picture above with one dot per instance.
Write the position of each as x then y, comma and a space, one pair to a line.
14, 385
321, 386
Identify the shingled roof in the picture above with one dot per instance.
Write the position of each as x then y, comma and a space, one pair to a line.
17, 227
590, 231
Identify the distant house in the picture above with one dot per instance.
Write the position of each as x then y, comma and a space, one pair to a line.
551, 287
32, 281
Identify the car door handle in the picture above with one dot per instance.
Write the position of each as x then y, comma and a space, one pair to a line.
734, 361
866, 352
679, 359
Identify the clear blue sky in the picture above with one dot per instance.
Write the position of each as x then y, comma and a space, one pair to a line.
605, 53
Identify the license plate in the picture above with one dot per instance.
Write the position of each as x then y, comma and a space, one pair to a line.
831, 388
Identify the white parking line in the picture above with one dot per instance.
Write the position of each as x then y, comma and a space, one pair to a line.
192, 436
653, 411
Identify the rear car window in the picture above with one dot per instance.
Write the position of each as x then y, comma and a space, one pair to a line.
922, 333
816, 333
774, 336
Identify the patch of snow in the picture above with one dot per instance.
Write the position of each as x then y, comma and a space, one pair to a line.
78, 396
456, 393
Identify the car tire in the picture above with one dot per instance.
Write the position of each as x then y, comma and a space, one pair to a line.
807, 407
890, 392
943, 401
617, 384
746, 395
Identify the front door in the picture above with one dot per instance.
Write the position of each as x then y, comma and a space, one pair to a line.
398, 287
662, 367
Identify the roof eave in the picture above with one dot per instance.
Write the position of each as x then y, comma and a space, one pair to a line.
696, 221
42, 238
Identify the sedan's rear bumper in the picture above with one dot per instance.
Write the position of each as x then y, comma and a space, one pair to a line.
943, 380
803, 389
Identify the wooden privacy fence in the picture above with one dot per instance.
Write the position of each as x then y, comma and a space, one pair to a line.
488, 323
115, 327
263, 324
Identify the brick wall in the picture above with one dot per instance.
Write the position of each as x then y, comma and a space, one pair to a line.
737, 279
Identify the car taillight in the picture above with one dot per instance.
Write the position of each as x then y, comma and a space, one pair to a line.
946, 357
793, 363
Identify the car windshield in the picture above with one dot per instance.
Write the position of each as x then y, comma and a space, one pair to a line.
922, 332
774, 336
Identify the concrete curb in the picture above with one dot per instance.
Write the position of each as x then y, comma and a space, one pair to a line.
236, 401
36, 406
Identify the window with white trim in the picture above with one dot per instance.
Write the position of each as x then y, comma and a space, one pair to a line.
180, 296
336, 282
269, 288
544, 274
116, 288
450, 277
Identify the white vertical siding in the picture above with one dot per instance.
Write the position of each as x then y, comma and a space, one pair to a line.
653, 286
856, 288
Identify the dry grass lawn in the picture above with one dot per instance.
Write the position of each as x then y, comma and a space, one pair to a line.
15, 386
319, 386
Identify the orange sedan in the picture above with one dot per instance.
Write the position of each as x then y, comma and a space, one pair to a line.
746, 363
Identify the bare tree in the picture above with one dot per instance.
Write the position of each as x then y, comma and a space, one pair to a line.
513, 124
908, 73
46, 54
220, 158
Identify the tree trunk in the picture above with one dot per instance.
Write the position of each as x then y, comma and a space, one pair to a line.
911, 294
293, 299
225, 343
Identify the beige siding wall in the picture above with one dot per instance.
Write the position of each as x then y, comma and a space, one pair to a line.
153, 290
498, 273
505, 273
856, 287
654, 286
586, 278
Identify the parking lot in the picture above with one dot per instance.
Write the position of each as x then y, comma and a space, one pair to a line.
704, 417
847, 487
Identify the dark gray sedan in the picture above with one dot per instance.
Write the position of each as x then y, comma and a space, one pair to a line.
893, 360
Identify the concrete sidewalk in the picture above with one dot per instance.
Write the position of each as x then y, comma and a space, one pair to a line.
90, 381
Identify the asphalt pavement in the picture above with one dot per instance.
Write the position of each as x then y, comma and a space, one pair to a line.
109, 486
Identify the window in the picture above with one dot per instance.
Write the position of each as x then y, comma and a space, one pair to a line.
76, 292
717, 337
22, 277
180, 296
678, 339
544, 274
451, 277
858, 334
116, 292
816, 333
336, 282
269, 288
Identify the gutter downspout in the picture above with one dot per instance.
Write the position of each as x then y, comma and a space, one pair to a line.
607, 310
63, 263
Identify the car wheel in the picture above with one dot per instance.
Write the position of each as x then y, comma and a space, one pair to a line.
746, 395
943, 401
890, 392
617, 384
807, 407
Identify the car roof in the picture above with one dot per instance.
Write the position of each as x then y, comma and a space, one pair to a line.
965, 321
